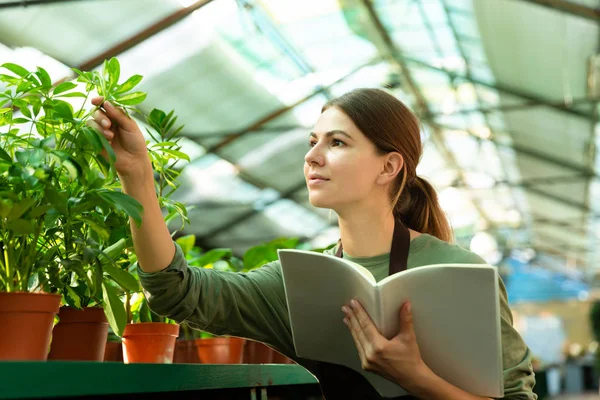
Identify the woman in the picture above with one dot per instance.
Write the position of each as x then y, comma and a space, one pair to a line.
361, 163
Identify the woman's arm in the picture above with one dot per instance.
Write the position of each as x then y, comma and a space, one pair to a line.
152, 241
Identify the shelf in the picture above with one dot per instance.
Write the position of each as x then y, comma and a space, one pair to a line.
74, 379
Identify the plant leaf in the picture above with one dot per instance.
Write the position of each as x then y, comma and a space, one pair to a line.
114, 71
212, 256
128, 84
5, 156
44, 78
114, 309
186, 243
123, 278
123, 202
17, 69
20, 227
63, 87
132, 98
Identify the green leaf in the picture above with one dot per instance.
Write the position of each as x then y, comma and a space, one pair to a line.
17, 69
5, 156
114, 71
72, 297
212, 256
63, 110
73, 94
114, 250
20, 227
39, 211
63, 87
44, 78
114, 309
123, 278
26, 112
186, 243
145, 313
125, 203
177, 154
259, 255
128, 84
132, 98
21, 208
32, 157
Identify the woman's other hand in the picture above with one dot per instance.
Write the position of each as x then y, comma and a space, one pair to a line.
397, 359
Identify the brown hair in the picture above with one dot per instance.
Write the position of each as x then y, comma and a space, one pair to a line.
391, 126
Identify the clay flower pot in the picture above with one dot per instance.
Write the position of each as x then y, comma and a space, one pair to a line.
149, 342
221, 350
79, 335
26, 321
258, 353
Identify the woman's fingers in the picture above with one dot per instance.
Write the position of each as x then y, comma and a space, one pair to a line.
114, 114
108, 134
101, 119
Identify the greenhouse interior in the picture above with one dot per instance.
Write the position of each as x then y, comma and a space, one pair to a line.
177, 178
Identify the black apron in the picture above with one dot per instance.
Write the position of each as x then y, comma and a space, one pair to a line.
339, 382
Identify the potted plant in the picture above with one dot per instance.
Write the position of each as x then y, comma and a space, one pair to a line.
55, 176
147, 337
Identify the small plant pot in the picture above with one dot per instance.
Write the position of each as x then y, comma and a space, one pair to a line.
222, 350
279, 358
113, 352
149, 342
258, 353
79, 335
26, 321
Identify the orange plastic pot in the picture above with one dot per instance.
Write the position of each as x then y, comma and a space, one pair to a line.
26, 321
223, 350
113, 351
79, 335
149, 342
279, 358
258, 353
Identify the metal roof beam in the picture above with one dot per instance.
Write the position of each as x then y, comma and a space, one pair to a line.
568, 7
142, 35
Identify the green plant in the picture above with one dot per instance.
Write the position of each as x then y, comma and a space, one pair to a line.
63, 218
58, 190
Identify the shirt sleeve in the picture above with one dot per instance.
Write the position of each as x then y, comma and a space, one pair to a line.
519, 377
250, 305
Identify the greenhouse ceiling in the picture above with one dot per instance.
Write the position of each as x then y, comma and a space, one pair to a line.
508, 91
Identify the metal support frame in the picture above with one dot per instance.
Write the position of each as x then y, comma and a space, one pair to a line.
31, 3
568, 7
143, 35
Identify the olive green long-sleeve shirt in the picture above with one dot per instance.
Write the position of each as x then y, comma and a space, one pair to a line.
253, 304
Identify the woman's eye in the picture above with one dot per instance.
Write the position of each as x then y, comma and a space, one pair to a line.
337, 142
312, 144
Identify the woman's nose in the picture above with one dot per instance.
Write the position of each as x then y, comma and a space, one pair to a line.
314, 156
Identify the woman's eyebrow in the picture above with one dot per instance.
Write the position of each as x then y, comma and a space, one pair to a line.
331, 133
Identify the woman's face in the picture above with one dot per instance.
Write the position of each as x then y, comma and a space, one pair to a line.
342, 165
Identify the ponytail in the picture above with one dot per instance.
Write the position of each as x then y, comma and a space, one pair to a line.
418, 208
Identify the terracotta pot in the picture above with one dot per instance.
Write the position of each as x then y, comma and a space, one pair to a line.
26, 321
279, 358
258, 353
186, 352
222, 350
149, 342
79, 335
113, 351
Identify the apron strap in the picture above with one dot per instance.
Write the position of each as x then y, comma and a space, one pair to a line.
399, 251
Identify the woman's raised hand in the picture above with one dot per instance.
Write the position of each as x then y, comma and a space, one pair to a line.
125, 137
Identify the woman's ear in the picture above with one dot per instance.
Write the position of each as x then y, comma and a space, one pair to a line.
392, 165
